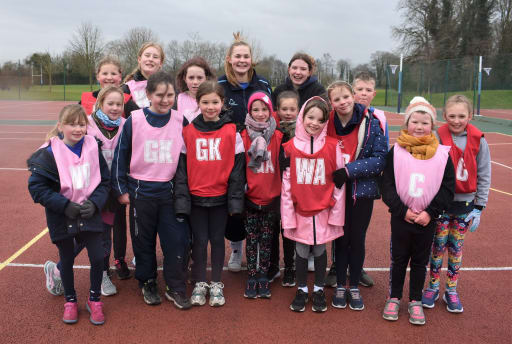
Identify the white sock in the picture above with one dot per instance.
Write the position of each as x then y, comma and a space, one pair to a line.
304, 289
317, 288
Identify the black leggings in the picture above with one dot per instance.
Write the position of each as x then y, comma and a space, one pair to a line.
119, 232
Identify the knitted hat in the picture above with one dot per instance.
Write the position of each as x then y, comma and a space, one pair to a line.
259, 95
420, 104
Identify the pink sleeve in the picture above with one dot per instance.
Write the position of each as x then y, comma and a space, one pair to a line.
239, 146
337, 212
288, 219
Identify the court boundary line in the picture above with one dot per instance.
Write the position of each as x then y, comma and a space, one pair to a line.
23, 249
502, 165
503, 192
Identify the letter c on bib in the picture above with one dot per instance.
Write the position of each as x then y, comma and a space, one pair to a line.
414, 190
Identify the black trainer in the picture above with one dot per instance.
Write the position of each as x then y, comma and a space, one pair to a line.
122, 270
319, 301
288, 278
264, 288
180, 300
330, 279
299, 302
273, 273
150, 292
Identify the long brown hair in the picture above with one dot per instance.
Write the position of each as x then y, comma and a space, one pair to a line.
208, 87
68, 115
139, 54
228, 68
310, 61
182, 72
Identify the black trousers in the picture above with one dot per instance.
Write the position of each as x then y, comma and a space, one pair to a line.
288, 250
119, 232
410, 244
147, 219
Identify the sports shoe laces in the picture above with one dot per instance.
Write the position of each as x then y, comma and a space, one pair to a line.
355, 294
429, 293
454, 298
217, 287
391, 306
416, 310
340, 293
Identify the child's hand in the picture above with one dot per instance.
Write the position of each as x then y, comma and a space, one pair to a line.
475, 216
72, 210
124, 199
87, 209
410, 216
423, 219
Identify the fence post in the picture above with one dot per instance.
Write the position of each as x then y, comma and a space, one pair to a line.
479, 84
19, 80
400, 84
65, 67
387, 85
475, 74
446, 80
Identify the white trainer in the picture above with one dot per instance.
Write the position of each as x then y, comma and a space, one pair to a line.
235, 260
107, 287
216, 294
198, 297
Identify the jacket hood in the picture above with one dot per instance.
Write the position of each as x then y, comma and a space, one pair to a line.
311, 80
205, 126
302, 139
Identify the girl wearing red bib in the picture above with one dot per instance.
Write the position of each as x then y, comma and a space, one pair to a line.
417, 186
143, 171
312, 208
209, 185
262, 144
472, 160
70, 179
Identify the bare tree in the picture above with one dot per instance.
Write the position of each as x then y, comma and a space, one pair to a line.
86, 43
503, 26
130, 44
379, 61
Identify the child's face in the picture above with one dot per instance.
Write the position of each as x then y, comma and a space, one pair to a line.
113, 105
313, 121
109, 74
342, 100
210, 105
260, 111
364, 92
195, 77
162, 99
73, 132
457, 116
150, 61
420, 124
299, 72
288, 109
240, 59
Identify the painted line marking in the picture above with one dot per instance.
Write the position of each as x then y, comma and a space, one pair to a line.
13, 169
495, 132
497, 163
503, 192
24, 103
23, 249
499, 144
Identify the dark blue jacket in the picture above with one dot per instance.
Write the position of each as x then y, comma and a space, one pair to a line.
310, 88
371, 160
236, 98
44, 187
121, 182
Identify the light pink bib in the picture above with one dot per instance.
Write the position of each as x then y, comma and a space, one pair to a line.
109, 145
418, 181
138, 92
187, 106
79, 176
155, 151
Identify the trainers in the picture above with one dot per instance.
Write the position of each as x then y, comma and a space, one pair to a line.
264, 288
107, 287
198, 297
122, 269
319, 302
150, 292
330, 279
53, 281
339, 299
365, 280
70, 313
391, 309
251, 289
452, 300
429, 297
235, 261
180, 300
216, 294
311, 263
273, 273
288, 278
299, 302
416, 315
96, 311
355, 300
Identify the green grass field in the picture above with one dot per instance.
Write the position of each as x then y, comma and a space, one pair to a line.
73, 93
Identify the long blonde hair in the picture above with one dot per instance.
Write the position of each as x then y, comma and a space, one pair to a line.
68, 115
228, 68
139, 54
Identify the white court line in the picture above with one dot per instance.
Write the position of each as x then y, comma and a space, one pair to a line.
499, 144
25, 104
495, 132
497, 163
87, 267
13, 169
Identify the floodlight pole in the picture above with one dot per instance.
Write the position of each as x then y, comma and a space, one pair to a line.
479, 85
65, 67
400, 84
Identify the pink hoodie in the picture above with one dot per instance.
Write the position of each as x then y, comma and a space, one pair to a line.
329, 222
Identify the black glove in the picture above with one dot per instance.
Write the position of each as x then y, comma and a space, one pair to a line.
339, 177
72, 210
87, 209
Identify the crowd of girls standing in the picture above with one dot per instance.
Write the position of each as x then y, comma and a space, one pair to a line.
224, 164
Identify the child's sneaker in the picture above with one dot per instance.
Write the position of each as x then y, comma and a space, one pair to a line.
122, 269
319, 302
452, 300
299, 302
355, 300
330, 279
416, 315
288, 278
273, 273
365, 280
264, 288
216, 294
339, 299
96, 311
150, 293
107, 287
429, 297
180, 300
53, 280
391, 309
198, 297
251, 289
70, 313
235, 260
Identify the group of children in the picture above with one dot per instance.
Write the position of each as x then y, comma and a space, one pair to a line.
224, 164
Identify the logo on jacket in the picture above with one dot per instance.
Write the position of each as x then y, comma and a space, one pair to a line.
310, 171
232, 102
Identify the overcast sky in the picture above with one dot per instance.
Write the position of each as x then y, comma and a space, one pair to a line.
349, 29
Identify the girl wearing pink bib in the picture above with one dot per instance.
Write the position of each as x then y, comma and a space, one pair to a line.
418, 183
70, 179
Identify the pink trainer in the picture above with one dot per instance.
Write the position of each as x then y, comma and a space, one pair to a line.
96, 311
70, 313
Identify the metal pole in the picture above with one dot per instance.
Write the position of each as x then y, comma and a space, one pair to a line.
400, 84
446, 80
65, 67
479, 85
387, 85
19, 80
475, 74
